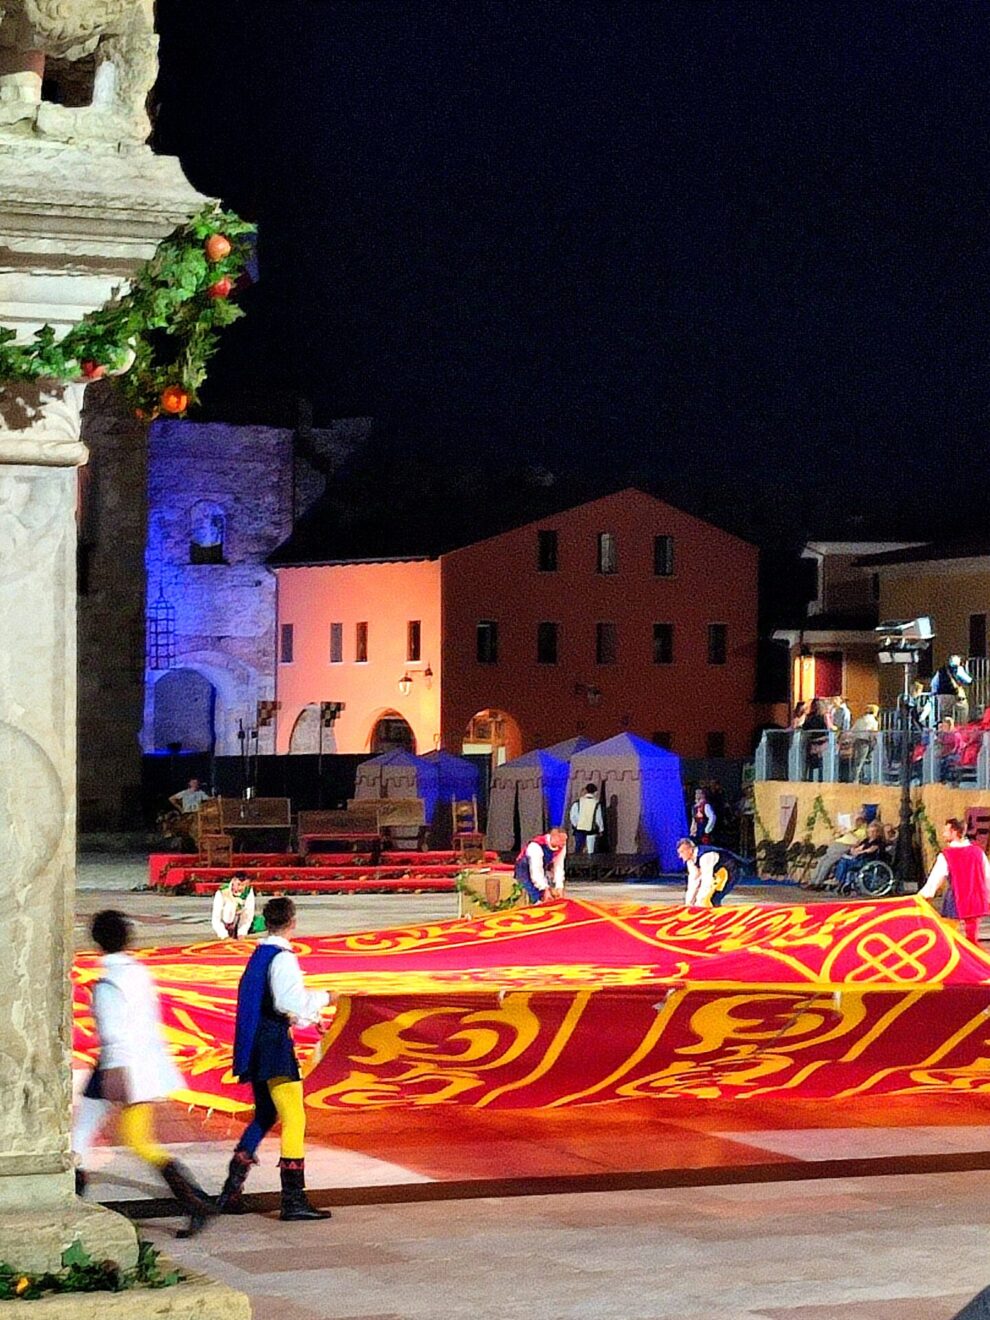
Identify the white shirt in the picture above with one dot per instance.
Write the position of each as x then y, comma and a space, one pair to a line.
866, 724
709, 819
289, 995
537, 873
225, 912
701, 880
939, 873
586, 814
190, 799
129, 1027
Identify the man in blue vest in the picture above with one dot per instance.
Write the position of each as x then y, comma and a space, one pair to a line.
711, 873
271, 998
540, 866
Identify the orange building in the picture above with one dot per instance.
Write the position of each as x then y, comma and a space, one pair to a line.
619, 613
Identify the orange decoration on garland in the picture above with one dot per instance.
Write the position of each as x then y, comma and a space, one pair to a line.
217, 247
174, 399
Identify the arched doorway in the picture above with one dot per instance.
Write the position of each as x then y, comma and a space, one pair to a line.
305, 736
185, 712
493, 733
392, 734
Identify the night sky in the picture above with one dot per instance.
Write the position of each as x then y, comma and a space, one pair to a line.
739, 249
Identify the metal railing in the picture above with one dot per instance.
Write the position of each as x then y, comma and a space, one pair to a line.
960, 758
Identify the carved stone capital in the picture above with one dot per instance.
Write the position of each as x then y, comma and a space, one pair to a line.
40, 424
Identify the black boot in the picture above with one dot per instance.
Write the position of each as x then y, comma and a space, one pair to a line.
231, 1198
190, 1196
295, 1204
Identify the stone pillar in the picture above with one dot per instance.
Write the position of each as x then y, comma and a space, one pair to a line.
75, 222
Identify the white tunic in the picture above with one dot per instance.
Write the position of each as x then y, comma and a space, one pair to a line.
129, 1026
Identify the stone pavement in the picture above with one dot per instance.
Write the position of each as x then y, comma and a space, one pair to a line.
908, 1248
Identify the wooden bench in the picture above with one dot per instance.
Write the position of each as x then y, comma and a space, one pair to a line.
401, 821
241, 817
357, 827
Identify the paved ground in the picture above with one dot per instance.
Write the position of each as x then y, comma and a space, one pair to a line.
905, 1248
913, 1247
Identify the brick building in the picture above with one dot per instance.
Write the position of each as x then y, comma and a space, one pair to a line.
617, 613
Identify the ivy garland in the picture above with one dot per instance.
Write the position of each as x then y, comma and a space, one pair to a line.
510, 901
158, 336
80, 1273
923, 822
818, 812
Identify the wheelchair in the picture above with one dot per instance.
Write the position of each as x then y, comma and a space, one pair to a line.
875, 880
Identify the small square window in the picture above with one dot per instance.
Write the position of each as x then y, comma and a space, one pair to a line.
486, 642
606, 643
336, 643
663, 556
718, 643
546, 643
715, 744
361, 643
286, 643
413, 632
546, 552
663, 643
608, 553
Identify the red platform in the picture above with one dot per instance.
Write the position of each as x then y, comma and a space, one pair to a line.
335, 873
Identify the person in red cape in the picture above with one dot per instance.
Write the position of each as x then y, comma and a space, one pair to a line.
964, 866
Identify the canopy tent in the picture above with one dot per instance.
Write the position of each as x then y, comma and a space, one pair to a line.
456, 777
536, 785
399, 774
566, 749
642, 795
573, 1002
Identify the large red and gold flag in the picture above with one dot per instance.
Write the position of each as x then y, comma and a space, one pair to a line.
577, 1001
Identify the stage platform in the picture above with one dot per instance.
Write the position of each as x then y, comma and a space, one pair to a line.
319, 873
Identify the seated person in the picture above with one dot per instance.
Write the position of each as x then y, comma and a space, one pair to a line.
874, 848
540, 866
190, 799
949, 748
233, 909
843, 842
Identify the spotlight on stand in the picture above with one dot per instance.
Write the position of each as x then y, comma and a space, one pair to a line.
901, 642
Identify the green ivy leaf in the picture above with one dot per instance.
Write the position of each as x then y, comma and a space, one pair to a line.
76, 1254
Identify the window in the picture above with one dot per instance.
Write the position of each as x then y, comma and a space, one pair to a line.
207, 525
336, 643
663, 643
977, 635
413, 631
286, 641
718, 643
546, 552
663, 556
715, 744
663, 738
546, 643
606, 643
361, 643
487, 642
608, 553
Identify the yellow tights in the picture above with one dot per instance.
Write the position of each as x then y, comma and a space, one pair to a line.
137, 1127
287, 1097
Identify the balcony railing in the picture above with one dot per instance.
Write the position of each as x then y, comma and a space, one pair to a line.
960, 759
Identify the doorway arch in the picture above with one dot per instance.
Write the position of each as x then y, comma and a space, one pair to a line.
493, 733
392, 733
185, 711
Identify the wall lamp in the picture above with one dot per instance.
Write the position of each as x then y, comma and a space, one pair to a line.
406, 681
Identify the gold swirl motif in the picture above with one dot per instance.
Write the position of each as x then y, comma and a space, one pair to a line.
481, 1041
799, 1022
885, 958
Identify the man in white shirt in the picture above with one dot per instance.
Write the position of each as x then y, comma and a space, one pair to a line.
134, 1068
542, 855
233, 909
587, 820
190, 799
271, 998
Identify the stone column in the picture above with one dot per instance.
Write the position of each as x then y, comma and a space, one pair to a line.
74, 223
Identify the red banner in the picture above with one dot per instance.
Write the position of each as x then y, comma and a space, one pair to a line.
577, 1002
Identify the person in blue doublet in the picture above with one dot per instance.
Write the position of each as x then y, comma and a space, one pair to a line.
271, 998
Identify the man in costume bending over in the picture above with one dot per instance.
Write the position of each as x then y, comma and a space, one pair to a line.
271, 998
711, 872
540, 866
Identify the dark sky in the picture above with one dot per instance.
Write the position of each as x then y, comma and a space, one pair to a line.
740, 247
